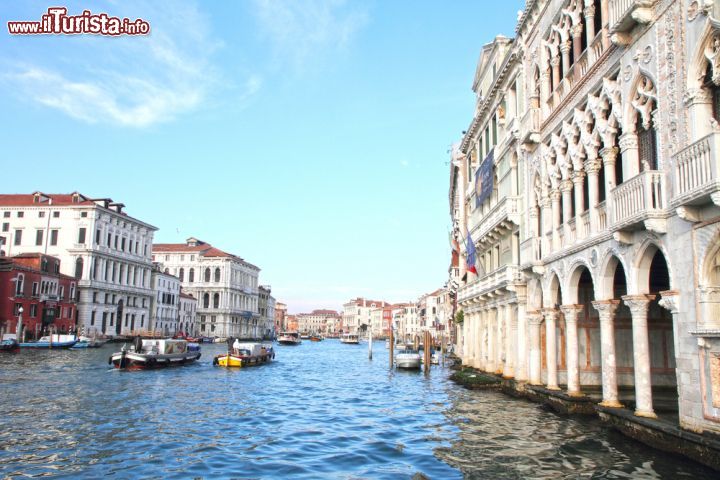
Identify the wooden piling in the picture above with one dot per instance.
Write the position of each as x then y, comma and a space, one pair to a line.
426, 351
392, 347
370, 339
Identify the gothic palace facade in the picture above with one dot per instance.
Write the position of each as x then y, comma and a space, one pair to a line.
588, 181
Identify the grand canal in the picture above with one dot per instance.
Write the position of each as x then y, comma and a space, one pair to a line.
322, 410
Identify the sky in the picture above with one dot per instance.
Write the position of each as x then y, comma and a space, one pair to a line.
309, 137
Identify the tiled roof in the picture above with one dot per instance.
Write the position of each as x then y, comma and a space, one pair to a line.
204, 249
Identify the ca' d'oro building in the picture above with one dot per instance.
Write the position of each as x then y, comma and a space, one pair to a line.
587, 181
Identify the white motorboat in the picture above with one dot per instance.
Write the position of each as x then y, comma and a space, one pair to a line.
289, 338
146, 354
408, 358
350, 338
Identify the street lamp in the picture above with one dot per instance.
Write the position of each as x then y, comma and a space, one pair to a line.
18, 329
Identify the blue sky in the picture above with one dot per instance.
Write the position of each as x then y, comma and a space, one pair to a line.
308, 137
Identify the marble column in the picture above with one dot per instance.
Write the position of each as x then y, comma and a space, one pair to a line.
551, 316
592, 167
555, 64
500, 352
534, 320
607, 309
590, 23
521, 369
630, 155
565, 54
510, 336
478, 363
576, 31
566, 187
638, 305
579, 181
555, 198
491, 332
571, 313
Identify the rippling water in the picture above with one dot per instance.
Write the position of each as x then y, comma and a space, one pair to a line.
321, 410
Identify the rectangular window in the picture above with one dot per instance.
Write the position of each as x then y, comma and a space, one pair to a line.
20, 214
83, 214
54, 237
61, 292
109, 239
6, 214
56, 214
81, 235
18, 306
116, 242
35, 289
6, 227
18, 237
38, 237
97, 237
92, 318
33, 310
122, 246
95, 294
41, 214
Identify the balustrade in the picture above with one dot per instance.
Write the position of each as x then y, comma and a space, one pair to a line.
696, 170
624, 14
638, 197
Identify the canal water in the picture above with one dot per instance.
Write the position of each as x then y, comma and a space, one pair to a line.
322, 410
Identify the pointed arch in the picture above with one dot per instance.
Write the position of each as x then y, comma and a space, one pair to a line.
643, 263
571, 286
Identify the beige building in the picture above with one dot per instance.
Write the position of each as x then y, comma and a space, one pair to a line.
587, 181
225, 285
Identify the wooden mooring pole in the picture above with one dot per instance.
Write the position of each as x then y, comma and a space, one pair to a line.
392, 347
427, 347
370, 346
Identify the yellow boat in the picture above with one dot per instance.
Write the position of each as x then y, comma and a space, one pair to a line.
246, 355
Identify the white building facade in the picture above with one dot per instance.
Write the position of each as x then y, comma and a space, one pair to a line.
225, 285
598, 243
98, 243
187, 315
357, 314
165, 306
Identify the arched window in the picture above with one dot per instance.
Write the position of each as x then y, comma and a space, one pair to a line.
644, 104
714, 92
191, 275
217, 274
78, 267
206, 300
181, 274
20, 285
216, 300
207, 274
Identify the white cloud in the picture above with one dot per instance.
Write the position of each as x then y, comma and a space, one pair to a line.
129, 81
301, 31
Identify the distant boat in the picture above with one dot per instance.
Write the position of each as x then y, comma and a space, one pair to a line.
87, 342
316, 338
9, 345
350, 338
149, 354
52, 341
289, 338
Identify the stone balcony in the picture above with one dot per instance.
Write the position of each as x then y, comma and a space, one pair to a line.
626, 14
497, 220
696, 173
485, 285
530, 126
640, 202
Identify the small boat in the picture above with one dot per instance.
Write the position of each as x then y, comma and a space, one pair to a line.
87, 342
9, 345
304, 336
316, 338
247, 354
52, 341
204, 339
408, 358
350, 338
148, 353
289, 338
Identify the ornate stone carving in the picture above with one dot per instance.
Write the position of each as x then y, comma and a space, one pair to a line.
670, 300
644, 100
643, 55
712, 53
699, 7
638, 304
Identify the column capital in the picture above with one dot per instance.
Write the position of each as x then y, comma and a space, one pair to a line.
670, 300
566, 185
555, 195
534, 317
609, 155
638, 304
555, 61
565, 46
606, 308
551, 313
576, 30
571, 310
589, 11
578, 177
592, 167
